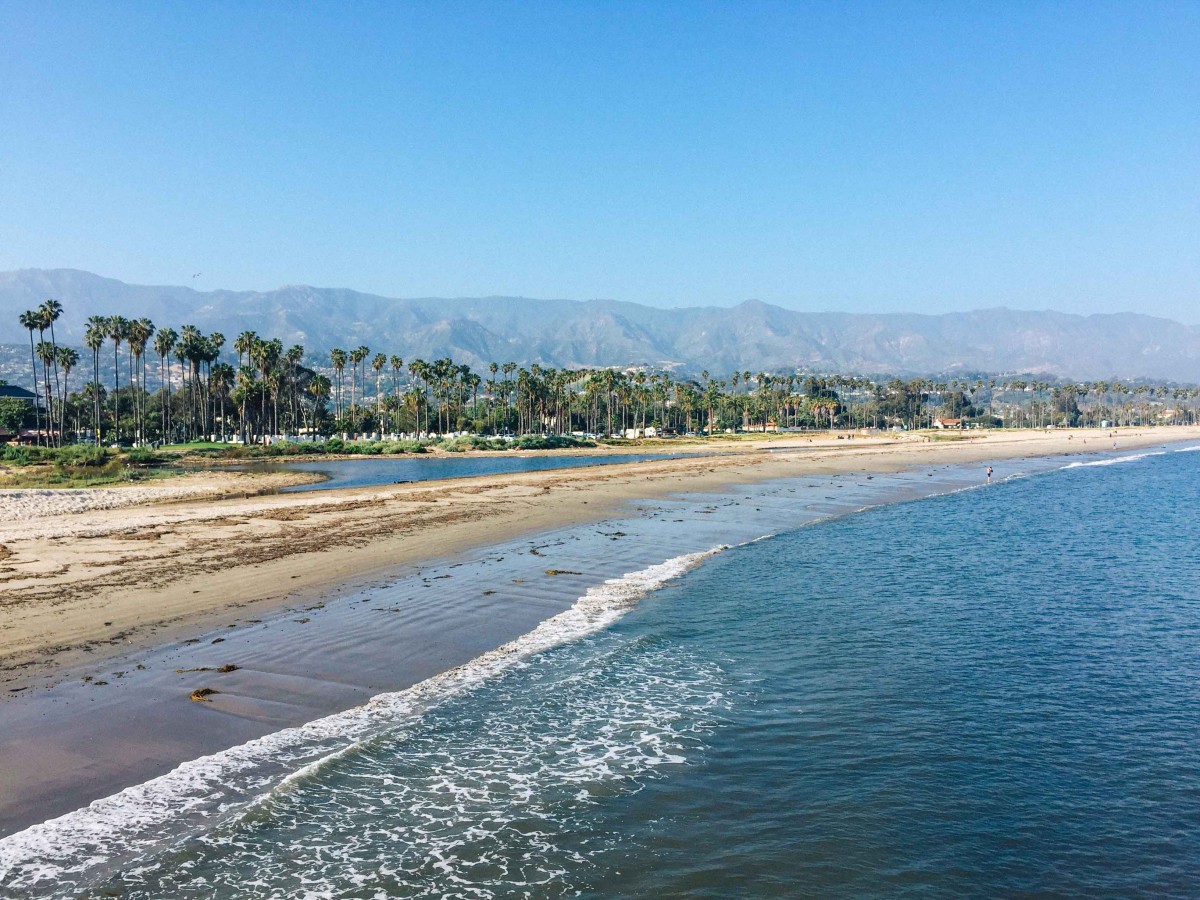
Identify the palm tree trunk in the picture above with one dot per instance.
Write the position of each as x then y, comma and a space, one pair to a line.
49, 403
96, 393
57, 388
116, 387
164, 377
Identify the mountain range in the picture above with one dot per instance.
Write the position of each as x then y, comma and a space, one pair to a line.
570, 333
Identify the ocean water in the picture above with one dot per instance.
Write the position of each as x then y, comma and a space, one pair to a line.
368, 471
991, 692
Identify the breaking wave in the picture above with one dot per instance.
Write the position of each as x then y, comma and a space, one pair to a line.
129, 829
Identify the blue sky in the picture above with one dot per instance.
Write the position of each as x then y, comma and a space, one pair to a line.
859, 157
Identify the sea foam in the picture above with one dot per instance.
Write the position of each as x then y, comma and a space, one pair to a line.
63, 854
1112, 461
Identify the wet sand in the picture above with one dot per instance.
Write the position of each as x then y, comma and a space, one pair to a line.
322, 600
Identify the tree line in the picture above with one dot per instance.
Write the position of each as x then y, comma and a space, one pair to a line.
168, 385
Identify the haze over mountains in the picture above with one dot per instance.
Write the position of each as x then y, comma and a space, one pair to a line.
752, 335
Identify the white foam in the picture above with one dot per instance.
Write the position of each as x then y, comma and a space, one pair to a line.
1112, 461
137, 821
489, 791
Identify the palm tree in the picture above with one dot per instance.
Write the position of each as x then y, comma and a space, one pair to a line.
140, 332
242, 345
68, 359
45, 352
493, 368
31, 320
418, 370
213, 344
319, 387
182, 363
506, 369
94, 336
222, 377
50, 310
244, 389
377, 364
265, 355
357, 356
397, 364
164, 346
118, 330
337, 357
190, 350
473, 381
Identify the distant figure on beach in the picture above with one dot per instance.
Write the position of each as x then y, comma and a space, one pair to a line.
989, 474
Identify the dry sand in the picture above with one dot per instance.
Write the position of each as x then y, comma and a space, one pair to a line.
123, 569
27, 504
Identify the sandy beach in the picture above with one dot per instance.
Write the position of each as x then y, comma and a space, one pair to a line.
82, 578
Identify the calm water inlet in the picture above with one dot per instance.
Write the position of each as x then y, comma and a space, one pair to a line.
351, 473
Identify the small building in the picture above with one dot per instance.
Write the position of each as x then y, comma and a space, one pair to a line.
14, 392
940, 422
633, 434
31, 436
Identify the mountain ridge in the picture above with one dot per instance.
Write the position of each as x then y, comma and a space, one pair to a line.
604, 332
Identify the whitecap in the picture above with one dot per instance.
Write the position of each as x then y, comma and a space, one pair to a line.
1112, 461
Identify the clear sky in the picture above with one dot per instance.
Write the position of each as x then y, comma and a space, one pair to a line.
825, 155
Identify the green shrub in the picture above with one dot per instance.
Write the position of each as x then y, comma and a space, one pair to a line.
475, 442
142, 456
403, 447
80, 456
281, 448
550, 442
17, 456
365, 448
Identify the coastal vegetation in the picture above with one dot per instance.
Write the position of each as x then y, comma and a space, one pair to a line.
74, 465
151, 386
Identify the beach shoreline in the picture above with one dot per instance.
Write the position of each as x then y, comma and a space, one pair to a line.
83, 587
71, 732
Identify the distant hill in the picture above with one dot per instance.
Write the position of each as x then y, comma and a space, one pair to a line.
752, 335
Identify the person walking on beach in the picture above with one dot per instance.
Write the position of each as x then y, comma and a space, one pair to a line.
989, 474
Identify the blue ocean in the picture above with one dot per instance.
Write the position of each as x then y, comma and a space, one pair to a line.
989, 692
